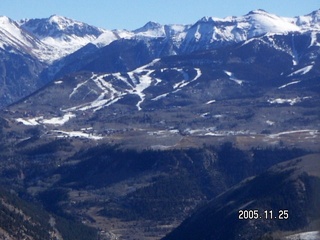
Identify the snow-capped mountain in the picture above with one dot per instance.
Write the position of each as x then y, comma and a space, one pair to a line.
210, 32
55, 37
62, 35
18, 63
46, 39
156, 30
16, 38
63, 41
29, 46
309, 22
58, 26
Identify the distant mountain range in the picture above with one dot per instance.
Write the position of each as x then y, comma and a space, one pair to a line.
160, 69
31, 46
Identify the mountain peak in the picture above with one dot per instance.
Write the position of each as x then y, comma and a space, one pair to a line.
5, 20
62, 35
309, 21
150, 29
230, 18
148, 26
258, 11
62, 22
56, 26
206, 19
152, 25
56, 18
315, 13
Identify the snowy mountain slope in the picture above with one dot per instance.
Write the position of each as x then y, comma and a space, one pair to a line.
208, 33
156, 30
209, 88
309, 22
54, 37
211, 32
58, 26
214, 32
28, 47
127, 54
75, 46
62, 35
19, 65
12, 36
46, 39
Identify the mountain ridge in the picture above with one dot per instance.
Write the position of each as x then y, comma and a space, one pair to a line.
298, 178
58, 25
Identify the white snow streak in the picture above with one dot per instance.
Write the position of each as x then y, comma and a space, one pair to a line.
301, 71
211, 101
186, 78
288, 84
160, 96
29, 122
59, 120
271, 123
51, 121
75, 90
62, 134
291, 101
140, 77
108, 96
144, 82
314, 41
310, 131
233, 78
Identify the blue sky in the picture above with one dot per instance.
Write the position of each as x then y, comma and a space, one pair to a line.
132, 14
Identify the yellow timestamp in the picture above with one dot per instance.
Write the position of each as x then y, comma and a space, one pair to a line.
266, 214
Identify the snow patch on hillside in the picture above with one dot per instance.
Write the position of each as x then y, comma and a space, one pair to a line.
211, 101
140, 77
288, 84
30, 121
304, 131
314, 40
142, 83
233, 78
105, 39
50, 121
291, 101
59, 120
186, 78
301, 71
62, 46
75, 134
